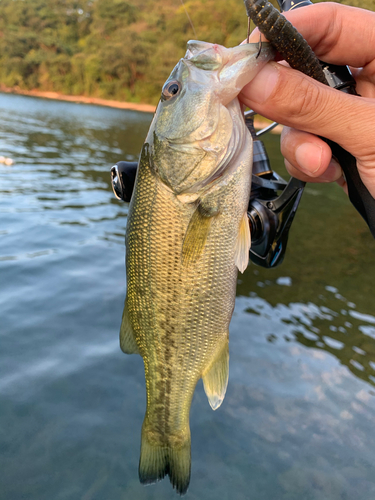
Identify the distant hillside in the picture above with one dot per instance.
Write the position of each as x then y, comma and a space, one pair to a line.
113, 49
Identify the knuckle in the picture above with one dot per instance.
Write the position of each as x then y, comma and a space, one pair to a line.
285, 142
305, 104
287, 139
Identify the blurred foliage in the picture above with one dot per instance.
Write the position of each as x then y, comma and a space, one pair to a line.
363, 4
114, 49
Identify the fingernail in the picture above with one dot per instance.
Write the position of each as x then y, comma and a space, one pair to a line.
333, 172
335, 165
309, 157
261, 87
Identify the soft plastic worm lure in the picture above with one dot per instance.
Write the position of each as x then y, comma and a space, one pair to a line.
285, 38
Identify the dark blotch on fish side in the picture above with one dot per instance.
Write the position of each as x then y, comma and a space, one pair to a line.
284, 37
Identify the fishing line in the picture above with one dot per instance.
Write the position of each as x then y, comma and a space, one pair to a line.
190, 21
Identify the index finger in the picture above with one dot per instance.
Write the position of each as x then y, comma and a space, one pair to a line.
338, 34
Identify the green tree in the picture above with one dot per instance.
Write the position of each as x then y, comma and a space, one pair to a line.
118, 49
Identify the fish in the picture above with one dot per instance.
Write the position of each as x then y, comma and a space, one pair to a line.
187, 236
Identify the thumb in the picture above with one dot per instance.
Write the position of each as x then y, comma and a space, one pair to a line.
293, 99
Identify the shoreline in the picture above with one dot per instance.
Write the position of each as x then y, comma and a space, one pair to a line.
80, 99
133, 106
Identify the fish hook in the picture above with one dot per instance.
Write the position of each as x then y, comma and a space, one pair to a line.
260, 45
248, 37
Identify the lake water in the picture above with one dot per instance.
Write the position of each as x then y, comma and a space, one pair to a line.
298, 419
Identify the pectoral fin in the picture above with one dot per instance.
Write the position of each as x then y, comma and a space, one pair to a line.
243, 243
215, 380
127, 340
196, 236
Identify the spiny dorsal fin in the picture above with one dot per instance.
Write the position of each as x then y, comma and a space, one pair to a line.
127, 341
196, 236
243, 244
215, 380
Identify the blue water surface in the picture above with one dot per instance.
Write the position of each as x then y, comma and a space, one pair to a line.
299, 416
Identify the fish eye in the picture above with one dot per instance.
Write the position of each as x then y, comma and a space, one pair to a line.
171, 89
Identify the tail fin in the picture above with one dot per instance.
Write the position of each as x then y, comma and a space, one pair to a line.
159, 460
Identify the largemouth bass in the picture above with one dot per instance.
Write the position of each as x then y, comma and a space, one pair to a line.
187, 236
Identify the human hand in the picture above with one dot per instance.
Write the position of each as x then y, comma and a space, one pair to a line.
340, 35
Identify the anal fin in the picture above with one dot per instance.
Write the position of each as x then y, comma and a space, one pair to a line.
215, 380
243, 244
127, 340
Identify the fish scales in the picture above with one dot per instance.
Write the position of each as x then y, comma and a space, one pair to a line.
183, 307
183, 248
